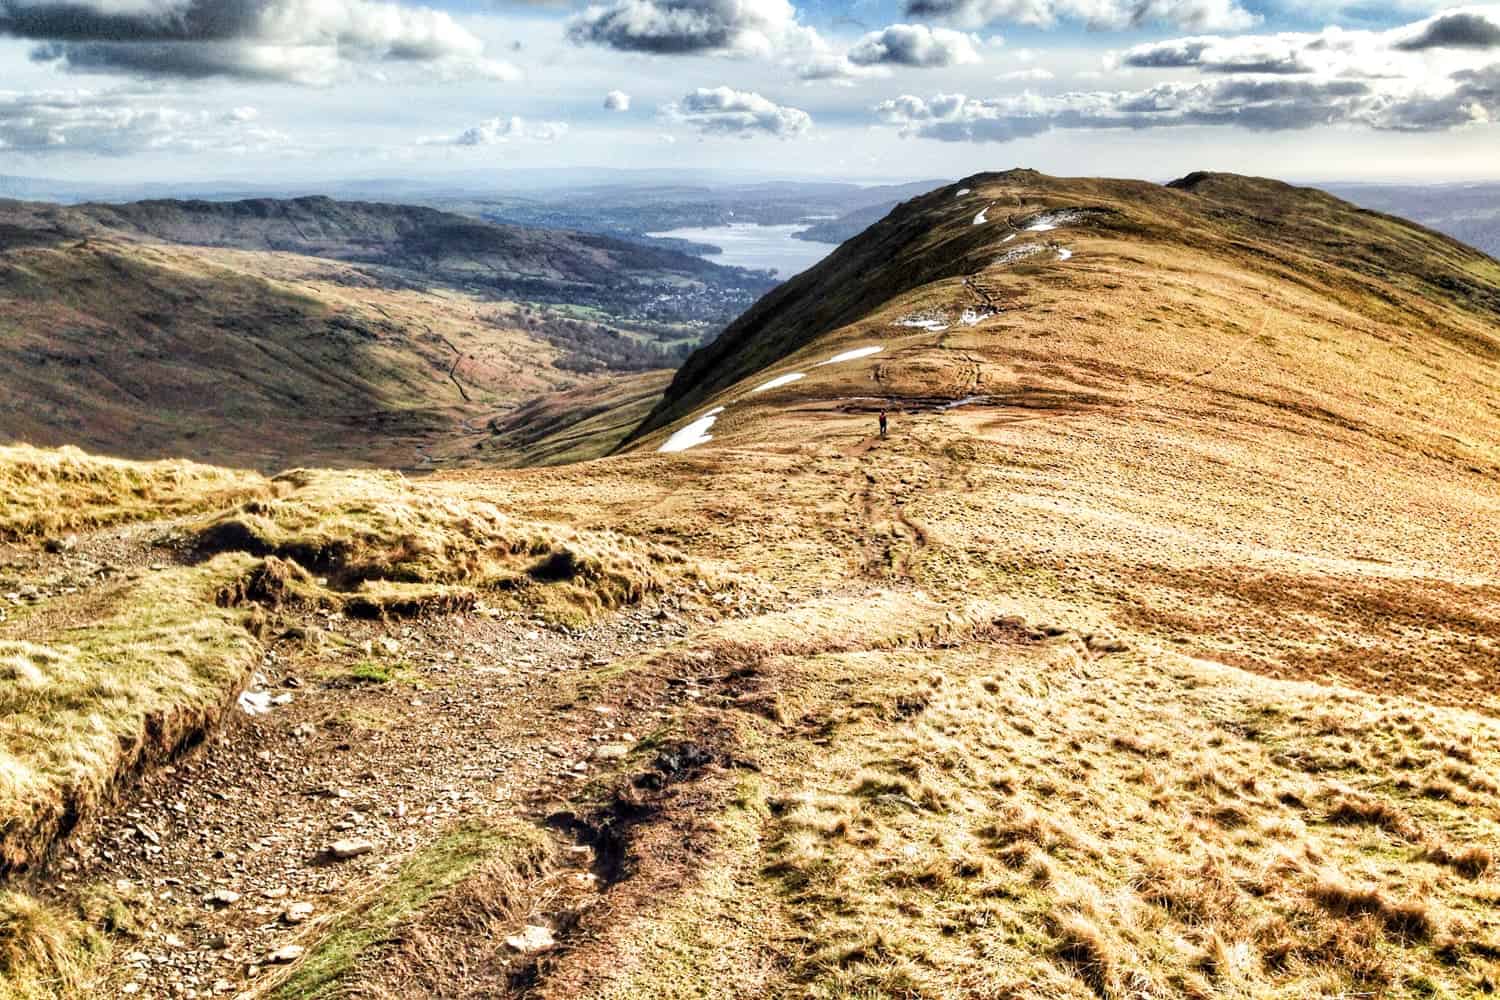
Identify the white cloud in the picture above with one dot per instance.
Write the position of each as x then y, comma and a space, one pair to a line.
617, 100
498, 131
1036, 74
724, 111
914, 45
1258, 102
1463, 35
92, 123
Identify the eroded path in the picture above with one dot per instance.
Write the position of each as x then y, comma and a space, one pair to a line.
357, 745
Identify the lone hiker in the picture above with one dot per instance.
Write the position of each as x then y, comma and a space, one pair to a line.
884, 423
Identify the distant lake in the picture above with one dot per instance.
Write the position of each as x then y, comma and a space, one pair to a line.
761, 247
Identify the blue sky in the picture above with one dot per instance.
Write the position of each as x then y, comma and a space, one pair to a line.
294, 90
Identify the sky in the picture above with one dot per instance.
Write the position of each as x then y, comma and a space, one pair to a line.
862, 90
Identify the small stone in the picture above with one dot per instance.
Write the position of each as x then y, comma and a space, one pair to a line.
532, 939
279, 892
297, 912
66, 543
612, 751
222, 897
130, 988
173, 941
285, 954
343, 850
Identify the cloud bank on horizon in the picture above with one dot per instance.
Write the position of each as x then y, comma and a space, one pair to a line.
95, 80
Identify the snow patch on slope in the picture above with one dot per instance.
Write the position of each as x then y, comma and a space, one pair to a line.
1020, 253
854, 355
694, 433
779, 381
1052, 220
930, 325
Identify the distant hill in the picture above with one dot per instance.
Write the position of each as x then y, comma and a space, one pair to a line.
650, 285
268, 333
846, 226
1467, 212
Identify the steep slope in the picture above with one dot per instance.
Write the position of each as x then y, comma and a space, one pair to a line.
1150, 239
342, 333
1153, 653
243, 359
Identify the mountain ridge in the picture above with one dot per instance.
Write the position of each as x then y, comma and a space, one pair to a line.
1266, 223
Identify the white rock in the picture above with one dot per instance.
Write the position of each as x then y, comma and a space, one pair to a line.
532, 939
285, 954
346, 849
297, 912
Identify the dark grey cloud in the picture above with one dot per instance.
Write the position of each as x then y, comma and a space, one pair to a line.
1251, 54
303, 41
687, 27
914, 45
1457, 30
214, 20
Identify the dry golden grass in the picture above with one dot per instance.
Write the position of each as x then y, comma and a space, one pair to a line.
388, 546
986, 812
47, 953
49, 492
1166, 669
91, 704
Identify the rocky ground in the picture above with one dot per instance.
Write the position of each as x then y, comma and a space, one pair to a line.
355, 744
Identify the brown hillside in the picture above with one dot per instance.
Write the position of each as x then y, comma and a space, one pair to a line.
1153, 654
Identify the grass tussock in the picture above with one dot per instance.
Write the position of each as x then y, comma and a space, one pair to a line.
48, 953
1381, 813
1064, 859
51, 491
385, 545
91, 705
